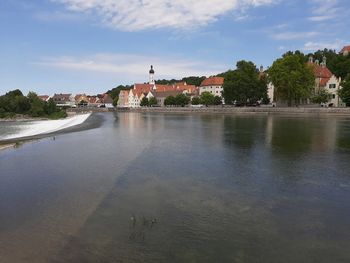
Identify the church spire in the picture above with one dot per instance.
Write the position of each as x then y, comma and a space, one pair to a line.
151, 75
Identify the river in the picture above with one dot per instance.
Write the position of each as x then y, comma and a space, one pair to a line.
154, 187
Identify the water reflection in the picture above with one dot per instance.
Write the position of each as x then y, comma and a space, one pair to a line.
181, 188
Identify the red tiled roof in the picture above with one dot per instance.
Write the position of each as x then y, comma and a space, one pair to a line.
213, 81
61, 97
43, 97
322, 74
163, 88
346, 48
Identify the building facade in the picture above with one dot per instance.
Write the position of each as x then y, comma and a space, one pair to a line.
132, 98
213, 85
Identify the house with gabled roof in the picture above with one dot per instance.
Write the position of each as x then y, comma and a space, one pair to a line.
326, 80
345, 50
64, 100
132, 98
213, 85
44, 97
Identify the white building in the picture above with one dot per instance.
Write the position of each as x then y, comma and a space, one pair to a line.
213, 85
324, 80
132, 98
345, 51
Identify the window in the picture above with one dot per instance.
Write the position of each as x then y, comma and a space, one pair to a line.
332, 86
333, 96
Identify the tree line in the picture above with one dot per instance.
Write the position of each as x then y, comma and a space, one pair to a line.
14, 103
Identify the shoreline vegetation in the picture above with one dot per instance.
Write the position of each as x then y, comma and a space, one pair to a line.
14, 105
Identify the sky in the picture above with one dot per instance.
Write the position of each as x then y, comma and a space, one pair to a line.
91, 46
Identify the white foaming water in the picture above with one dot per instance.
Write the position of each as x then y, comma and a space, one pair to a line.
44, 127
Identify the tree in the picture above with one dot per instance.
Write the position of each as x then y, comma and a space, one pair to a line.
344, 93
144, 102
244, 85
51, 107
207, 98
292, 77
14, 102
321, 97
152, 101
22, 104
196, 101
181, 100
115, 101
170, 101
217, 100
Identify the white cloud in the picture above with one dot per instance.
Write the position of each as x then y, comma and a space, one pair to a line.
58, 16
294, 35
134, 15
133, 67
314, 46
325, 10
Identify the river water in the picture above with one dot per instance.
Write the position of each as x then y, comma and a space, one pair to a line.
147, 187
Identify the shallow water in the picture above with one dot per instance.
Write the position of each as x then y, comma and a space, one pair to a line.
218, 189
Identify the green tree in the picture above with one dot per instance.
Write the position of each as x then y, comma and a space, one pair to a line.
22, 104
244, 85
51, 107
207, 98
217, 100
14, 102
170, 101
144, 102
292, 77
152, 101
321, 97
182, 100
196, 101
344, 93
115, 101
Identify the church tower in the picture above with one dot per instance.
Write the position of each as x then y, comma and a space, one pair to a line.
151, 76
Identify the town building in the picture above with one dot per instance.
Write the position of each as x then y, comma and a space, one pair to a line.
106, 100
345, 51
81, 98
324, 80
132, 98
44, 97
93, 101
64, 100
213, 85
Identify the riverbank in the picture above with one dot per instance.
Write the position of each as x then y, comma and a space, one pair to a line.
247, 110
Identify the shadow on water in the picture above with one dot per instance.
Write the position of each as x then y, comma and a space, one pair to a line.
242, 132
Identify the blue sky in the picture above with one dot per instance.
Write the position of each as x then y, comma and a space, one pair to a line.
90, 46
